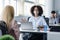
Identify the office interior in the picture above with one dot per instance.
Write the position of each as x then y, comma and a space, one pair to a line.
22, 8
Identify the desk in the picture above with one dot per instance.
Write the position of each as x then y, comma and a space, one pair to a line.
50, 35
54, 24
35, 32
54, 27
31, 31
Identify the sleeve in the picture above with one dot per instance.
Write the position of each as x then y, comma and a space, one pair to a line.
16, 29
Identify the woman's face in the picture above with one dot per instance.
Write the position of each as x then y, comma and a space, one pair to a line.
54, 15
36, 12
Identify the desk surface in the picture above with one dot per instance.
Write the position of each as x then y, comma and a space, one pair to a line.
54, 24
50, 35
32, 31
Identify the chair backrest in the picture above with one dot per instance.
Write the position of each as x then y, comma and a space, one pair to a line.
28, 18
47, 20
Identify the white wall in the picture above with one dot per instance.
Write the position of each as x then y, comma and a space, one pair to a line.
48, 7
57, 5
20, 7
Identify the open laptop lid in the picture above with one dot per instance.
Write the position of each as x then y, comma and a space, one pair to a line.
26, 26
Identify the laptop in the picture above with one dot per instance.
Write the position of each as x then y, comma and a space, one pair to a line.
26, 26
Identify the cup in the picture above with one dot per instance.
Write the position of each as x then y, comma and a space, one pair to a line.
40, 28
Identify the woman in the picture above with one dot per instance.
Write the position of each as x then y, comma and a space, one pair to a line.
38, 22
37, 18
8, 17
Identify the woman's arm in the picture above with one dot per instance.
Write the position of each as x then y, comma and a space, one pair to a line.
15, 27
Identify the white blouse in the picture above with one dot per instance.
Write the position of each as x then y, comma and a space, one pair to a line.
38, 21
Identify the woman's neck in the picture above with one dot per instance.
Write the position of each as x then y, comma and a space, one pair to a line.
36, 15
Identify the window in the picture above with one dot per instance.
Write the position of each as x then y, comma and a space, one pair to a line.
1, 7
29, 4
27, 7
47, 7
42, 2
3, 3
6, 2
14, 4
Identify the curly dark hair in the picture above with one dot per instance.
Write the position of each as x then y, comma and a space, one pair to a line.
53, 12
39, 9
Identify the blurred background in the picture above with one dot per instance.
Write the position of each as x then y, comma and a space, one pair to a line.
22, 7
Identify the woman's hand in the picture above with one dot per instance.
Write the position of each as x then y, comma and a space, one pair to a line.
23, 20
41, 28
